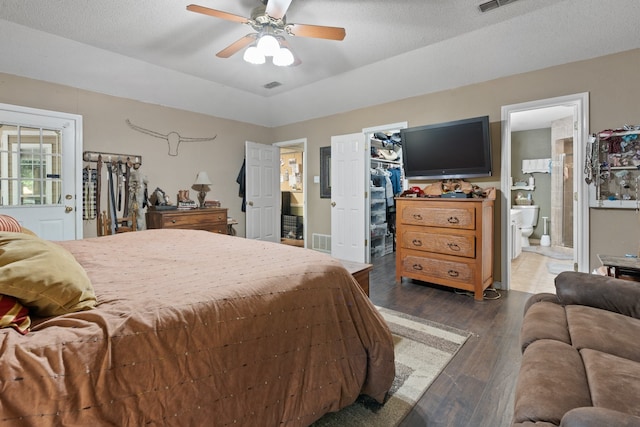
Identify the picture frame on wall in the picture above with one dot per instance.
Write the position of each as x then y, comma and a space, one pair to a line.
325, 172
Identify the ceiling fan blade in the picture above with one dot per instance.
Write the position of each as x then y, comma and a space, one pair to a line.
316, 31
285, 43
277, 8
217, 13
236, 46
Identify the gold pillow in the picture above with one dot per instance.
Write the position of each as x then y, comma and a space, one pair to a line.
43, 276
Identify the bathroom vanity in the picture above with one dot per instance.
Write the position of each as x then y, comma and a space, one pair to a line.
446, 241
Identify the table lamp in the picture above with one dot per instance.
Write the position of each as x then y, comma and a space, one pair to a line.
202, 186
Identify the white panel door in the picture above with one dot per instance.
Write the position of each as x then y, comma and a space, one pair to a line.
40, 170
348, 196
262, 191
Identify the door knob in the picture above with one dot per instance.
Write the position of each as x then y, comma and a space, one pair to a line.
333, 204
250, 203
68, 209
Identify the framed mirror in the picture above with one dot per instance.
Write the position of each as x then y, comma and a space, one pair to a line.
325, 172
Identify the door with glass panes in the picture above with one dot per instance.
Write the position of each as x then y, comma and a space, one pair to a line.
39, 163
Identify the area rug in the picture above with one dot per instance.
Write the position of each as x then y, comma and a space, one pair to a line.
557, 252
558, 267
422, 350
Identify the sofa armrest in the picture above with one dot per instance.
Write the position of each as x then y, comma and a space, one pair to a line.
604, 292
535, 298
598, 417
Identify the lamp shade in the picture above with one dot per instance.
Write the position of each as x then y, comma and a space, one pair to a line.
283, 58
268, 45
202, 179
253, 56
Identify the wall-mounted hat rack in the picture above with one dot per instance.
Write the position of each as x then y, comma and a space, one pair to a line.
94, 156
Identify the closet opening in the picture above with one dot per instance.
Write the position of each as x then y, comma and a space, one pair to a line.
292, 189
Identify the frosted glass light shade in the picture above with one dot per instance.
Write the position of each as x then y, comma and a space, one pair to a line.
283, 58
268, 45
253, 56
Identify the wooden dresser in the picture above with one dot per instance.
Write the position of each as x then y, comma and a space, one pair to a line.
446, 241
209, 219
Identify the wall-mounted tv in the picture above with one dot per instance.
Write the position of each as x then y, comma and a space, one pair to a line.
457, 149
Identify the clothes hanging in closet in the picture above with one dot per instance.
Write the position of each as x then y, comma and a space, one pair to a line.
382, 178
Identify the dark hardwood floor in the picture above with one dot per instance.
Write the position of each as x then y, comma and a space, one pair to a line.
476, 389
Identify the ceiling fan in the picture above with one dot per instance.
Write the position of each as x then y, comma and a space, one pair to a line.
269, 22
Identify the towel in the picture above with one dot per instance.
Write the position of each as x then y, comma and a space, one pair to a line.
536, 165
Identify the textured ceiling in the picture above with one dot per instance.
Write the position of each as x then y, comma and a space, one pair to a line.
157, 51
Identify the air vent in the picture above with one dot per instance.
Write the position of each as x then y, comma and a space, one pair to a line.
493, 4
272, 85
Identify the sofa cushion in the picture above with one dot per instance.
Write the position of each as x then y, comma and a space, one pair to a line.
598, 417
614, 381
544, 320
607, 293
552, 381
604, 331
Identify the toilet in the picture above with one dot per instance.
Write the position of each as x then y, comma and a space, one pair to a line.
529, 221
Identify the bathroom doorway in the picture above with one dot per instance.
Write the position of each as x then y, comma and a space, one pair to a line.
542, 147
293, 189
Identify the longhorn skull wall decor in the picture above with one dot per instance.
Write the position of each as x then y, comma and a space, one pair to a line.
173, 138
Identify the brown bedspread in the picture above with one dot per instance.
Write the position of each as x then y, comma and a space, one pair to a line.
194, 328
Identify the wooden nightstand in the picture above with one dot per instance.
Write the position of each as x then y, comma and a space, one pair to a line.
209, 219
360, 272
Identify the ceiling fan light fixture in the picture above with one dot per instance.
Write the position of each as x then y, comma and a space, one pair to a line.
268, 45
283, 58
253, 55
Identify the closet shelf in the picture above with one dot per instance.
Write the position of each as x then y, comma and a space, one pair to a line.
523, 187
388, 162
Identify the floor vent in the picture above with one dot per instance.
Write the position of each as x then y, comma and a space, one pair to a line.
493, 4
321, 242
272, 85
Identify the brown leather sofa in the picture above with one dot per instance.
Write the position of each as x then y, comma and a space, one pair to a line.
581, 355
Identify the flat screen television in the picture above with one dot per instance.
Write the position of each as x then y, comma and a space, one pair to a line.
457, 149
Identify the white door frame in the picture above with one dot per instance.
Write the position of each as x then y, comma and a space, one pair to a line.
303, 142
73, 121
580, 102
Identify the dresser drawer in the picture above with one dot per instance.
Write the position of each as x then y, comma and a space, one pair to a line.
441, 243
193, 220
220, 229
214, 220
431, 216
425, 268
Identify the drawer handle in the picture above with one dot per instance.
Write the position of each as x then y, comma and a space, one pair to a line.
173, 221
417, 242
453, 220
453, 273
417, 267
454, 247
417, 216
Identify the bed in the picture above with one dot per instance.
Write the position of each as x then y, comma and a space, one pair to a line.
192, 328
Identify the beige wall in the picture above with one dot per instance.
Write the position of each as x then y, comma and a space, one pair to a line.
613, 88
105, 129
611, 81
